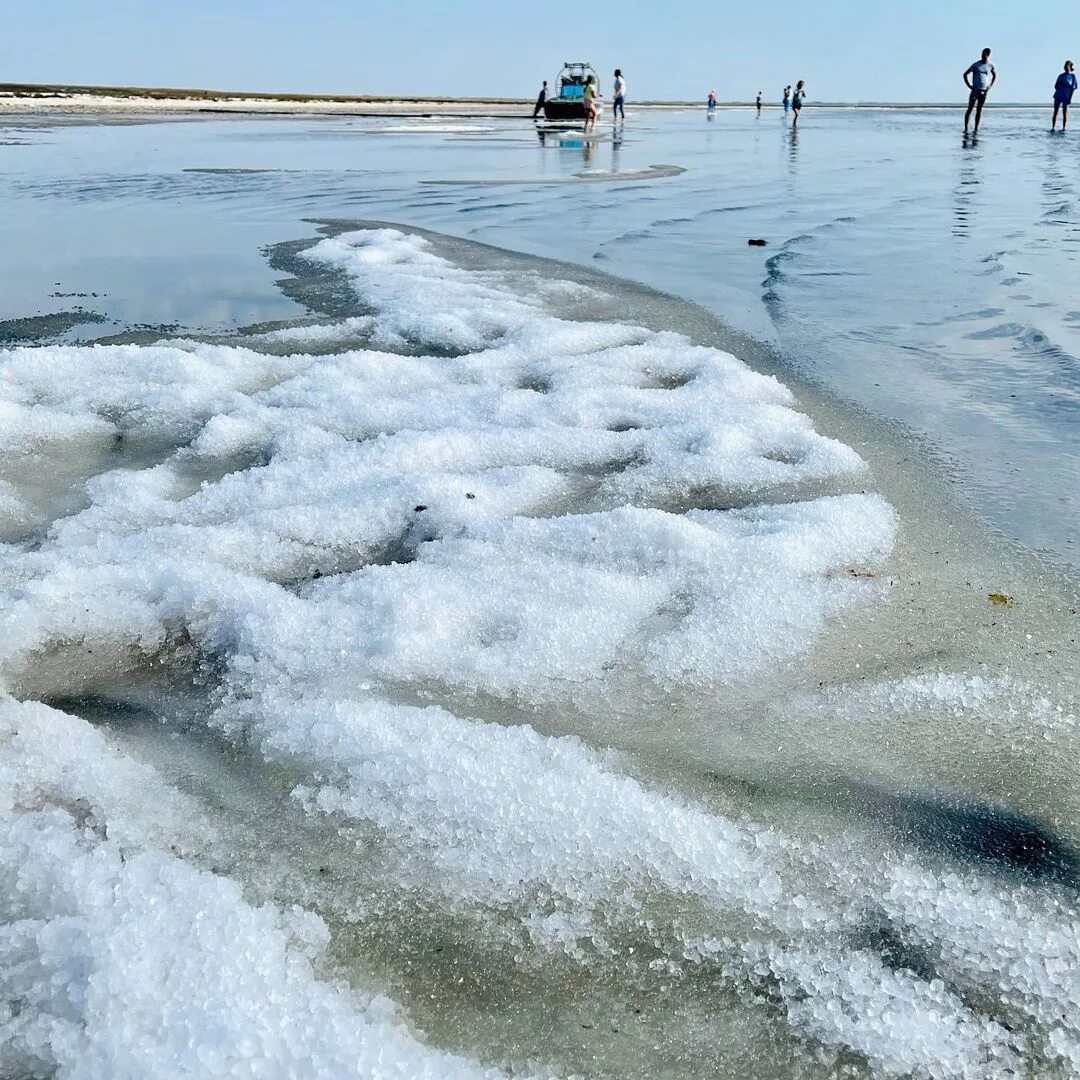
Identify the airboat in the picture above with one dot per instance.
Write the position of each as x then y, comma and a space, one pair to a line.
569, 102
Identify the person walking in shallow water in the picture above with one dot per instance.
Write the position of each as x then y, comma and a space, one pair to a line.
758, 102
618, 109
589, 96
797, 100
787, 99
979, 79
1064, 89
540, 100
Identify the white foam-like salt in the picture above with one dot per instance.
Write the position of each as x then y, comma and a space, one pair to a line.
118, 960
508, 520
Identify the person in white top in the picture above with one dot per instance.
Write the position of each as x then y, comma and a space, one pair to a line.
618, 109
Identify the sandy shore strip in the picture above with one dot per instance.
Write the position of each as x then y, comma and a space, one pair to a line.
142, 102
84, 103
25, 100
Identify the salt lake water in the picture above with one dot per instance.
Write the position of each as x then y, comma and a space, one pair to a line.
921, 276
426, 658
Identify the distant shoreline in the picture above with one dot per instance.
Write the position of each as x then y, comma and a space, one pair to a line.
61, 98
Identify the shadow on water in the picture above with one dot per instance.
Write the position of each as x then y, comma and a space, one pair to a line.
963, 830
987, 836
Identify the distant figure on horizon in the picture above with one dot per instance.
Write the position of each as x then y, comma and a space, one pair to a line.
787, 97
619, 107
1064, 89
979, 78
710, 105
589, 96
540, 101
797, 100
758, 102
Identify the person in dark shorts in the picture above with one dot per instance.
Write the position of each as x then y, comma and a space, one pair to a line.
540, 100
758, 102
1064, 89
979, 78
797, 100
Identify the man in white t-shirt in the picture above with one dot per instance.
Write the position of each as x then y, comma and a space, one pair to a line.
618, 109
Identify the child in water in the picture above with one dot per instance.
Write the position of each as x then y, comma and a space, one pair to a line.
1064, 89
589, 95
711, 103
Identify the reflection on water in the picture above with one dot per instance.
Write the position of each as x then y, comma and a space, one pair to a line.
966, 184
927, 277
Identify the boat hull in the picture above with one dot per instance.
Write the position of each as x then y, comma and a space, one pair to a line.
562, 109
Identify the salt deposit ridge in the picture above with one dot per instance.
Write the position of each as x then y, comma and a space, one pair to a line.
465, 654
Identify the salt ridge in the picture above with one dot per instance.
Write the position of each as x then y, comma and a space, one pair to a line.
507, 519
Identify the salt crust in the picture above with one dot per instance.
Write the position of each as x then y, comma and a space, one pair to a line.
120, 961
424, 514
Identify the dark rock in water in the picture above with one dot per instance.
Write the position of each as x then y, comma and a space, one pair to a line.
988, 834
757, 243
419, 509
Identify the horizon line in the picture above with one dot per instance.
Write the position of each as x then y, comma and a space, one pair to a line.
14, 89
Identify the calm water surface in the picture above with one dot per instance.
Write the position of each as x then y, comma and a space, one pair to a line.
928, 279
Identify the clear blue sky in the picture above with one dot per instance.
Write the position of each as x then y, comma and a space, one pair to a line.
847, 50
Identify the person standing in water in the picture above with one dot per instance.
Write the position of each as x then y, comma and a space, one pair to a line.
979, 79
589, 96
787, 98
758, 102
619, 107
540, 100
797, 100
710, 104
1064, 89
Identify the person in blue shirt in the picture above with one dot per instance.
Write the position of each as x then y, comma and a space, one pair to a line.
787, 98
978, 78
1064, 89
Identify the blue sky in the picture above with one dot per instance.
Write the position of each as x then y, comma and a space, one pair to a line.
846, 50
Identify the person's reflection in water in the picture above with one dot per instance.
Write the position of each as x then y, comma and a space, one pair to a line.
588, 153
791, 138
616, 150
541, 134
1058, 190
963, 195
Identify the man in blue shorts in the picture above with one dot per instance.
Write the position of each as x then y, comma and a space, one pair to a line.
978, 78
1064, 89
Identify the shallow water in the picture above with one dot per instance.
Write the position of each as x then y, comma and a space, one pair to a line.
922, 277
769, 847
